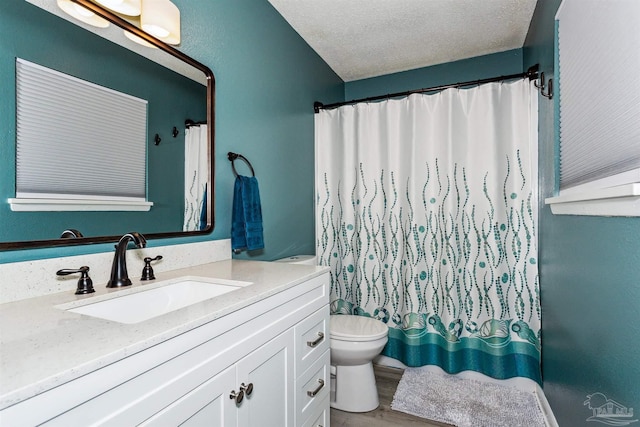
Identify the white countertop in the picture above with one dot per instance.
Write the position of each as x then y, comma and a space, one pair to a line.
42, 346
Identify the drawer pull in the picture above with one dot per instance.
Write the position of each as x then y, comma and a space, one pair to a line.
317, 390
237, 396
317, 341
247, 389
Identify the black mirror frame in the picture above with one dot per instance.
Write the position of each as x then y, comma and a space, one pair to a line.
125, 25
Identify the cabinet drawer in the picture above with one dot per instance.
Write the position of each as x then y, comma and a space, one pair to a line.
312, 387
312, 339
320, 417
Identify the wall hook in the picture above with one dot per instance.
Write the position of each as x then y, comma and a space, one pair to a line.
541, 80
157, 139
175, 132
542, 85
549, 93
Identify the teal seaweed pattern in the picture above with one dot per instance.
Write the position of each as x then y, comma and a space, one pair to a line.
424, 258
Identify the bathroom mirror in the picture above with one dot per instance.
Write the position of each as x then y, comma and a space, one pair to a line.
177, 88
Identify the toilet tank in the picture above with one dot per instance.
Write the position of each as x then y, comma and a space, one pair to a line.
299, 259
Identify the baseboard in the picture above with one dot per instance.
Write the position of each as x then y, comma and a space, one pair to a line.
549, 418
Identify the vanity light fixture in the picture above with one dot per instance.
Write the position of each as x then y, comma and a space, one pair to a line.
161, 19
82, 14
125, 7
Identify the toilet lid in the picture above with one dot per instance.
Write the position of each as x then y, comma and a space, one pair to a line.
357, 328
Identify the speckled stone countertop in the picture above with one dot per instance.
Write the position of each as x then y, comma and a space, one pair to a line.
42, 346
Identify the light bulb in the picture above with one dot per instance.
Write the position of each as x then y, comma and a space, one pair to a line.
82, 14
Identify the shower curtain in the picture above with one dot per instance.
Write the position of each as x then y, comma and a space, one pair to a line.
426, 214
196, 170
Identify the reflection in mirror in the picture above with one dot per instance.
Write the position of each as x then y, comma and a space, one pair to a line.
175, 92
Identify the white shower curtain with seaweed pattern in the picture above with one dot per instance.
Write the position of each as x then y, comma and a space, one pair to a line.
196, 171
426, 214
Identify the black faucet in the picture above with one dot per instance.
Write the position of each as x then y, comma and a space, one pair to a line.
119, 275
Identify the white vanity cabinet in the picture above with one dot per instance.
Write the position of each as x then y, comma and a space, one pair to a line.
268, 370
279, 345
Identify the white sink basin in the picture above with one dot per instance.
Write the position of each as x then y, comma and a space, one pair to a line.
165, 297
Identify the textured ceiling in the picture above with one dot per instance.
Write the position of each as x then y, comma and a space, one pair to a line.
368, 38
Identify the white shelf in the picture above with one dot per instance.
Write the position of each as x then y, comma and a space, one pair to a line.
59, 205
622, 200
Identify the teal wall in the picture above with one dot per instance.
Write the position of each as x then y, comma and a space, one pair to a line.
590, 279
267, 79
481, 67
35, 35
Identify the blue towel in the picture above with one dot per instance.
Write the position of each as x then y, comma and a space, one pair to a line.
246, 219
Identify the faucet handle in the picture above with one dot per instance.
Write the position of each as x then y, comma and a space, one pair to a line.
147, 271
85, 284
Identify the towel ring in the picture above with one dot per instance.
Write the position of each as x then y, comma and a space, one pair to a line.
233, 156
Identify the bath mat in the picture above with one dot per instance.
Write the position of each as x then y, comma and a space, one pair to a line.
464, 402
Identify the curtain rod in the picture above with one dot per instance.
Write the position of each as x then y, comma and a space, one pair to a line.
188, 123
531, 73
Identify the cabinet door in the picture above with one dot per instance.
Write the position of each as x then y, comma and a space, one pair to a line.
208, 405
270, 370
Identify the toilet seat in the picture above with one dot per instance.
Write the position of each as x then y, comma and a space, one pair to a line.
346, 327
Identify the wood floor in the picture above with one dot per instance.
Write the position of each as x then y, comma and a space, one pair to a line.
384, 416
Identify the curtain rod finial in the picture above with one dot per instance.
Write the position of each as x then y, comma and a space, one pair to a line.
317, 106
532, 72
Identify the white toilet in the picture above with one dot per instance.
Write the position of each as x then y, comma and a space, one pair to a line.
355, 342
